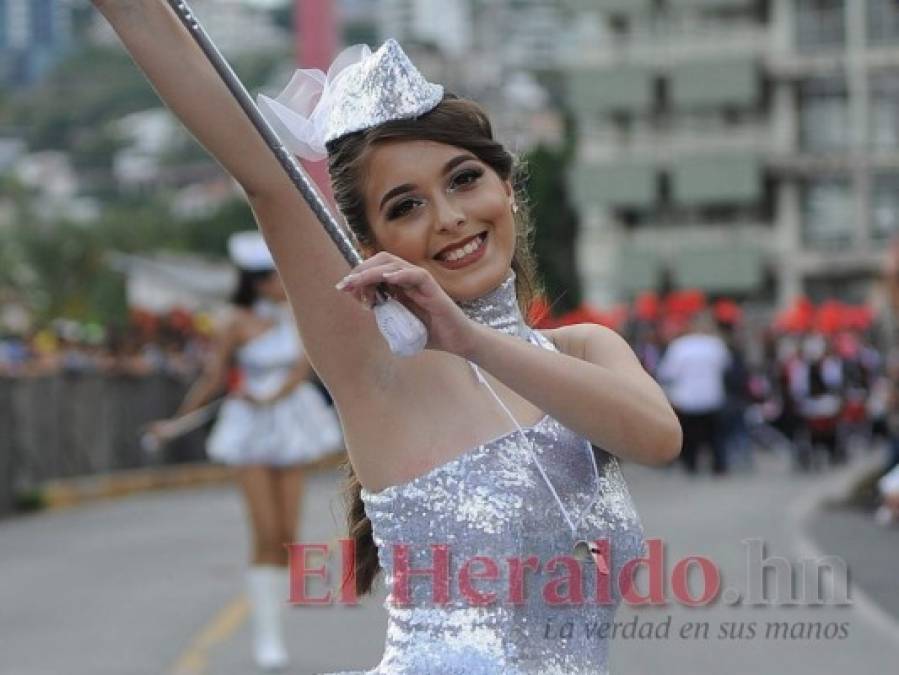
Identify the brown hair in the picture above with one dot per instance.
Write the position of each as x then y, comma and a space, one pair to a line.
460, 123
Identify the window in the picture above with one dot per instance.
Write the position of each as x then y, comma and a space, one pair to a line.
885, 205
883, 22
827, 213
42, 20
824, 115
853, 289
884, 125
620, 25
820, 25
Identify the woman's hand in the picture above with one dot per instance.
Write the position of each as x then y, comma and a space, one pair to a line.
449, 329
253, 399
160, 431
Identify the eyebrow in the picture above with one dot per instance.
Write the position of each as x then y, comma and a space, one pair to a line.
408, 187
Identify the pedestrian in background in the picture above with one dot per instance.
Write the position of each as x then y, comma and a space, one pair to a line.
692, 373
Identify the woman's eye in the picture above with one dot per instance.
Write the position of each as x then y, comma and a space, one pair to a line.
402, 208
466, 177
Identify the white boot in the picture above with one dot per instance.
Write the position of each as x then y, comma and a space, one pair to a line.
267, 592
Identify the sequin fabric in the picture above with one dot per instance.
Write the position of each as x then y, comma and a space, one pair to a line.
386, 86
491, 501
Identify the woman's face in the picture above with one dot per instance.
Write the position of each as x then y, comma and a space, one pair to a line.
439, 207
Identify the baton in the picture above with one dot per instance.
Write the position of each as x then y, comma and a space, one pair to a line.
405, 333
178, 427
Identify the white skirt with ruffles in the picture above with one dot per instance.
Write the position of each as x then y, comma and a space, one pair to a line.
296, 429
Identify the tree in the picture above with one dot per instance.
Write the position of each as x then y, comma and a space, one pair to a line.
556, 225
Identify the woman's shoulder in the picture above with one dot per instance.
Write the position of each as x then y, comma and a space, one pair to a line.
577, 339
240, 324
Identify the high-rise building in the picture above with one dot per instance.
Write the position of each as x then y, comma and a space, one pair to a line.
446, 25
34, 34
236, 26
743, 147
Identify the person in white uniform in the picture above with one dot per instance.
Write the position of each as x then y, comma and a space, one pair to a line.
692, 371
274, 423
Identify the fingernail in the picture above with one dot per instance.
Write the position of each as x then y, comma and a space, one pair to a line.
346, 281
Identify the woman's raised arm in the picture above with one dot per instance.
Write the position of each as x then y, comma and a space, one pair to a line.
340, 336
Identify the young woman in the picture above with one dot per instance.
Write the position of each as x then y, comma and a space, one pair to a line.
272, 425
483, 441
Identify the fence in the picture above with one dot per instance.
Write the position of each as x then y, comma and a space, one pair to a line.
76, 424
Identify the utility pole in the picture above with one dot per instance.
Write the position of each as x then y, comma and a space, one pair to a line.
315, 46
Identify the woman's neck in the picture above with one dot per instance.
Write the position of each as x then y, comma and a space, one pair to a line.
498, 309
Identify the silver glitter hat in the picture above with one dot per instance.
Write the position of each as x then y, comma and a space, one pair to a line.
361, 90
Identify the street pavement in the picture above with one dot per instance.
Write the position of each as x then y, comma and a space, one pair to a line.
152, 584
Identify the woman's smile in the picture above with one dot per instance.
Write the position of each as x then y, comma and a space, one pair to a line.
466, 253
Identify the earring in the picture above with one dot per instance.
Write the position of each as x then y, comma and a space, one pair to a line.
514, 207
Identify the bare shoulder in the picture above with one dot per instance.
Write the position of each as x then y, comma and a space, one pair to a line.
594, 343
554, 335
239, 324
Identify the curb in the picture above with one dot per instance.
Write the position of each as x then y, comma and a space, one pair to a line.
70, 492
801, 511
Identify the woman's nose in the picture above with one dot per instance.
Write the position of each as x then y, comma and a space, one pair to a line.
449, 215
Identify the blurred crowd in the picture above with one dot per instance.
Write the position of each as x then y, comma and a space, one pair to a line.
812, 382
148, 343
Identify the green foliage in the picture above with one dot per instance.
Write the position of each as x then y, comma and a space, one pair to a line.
283, 15
556, 227
60, 267
82, 95
209, 235
95, 150
63, 259
27, 501
256, 69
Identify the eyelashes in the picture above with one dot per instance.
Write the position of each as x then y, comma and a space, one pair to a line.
466, 177
402, 208
463, 179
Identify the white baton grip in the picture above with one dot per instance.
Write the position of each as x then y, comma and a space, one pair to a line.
404, 332
150, 444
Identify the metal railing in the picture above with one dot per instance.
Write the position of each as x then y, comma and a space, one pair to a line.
78, 424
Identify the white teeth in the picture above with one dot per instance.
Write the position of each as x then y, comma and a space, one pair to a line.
468, 249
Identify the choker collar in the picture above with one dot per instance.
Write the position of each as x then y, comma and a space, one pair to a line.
498, 309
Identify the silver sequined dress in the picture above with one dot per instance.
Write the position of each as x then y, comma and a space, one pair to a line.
491, 501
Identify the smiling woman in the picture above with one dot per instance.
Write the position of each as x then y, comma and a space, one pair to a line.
462, 185
484, 442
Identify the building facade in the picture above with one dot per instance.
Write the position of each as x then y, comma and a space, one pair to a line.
34, 35
749, 148
446, 25
237, 27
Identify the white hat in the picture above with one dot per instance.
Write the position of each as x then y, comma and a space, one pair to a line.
249, 252
361, 90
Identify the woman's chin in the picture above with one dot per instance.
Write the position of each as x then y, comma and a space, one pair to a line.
464, 285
